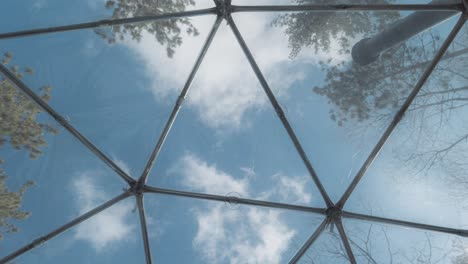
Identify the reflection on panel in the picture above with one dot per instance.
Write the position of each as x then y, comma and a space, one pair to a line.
110, 237
119, 95
421, 172
228, 136
117, 85
376, 243
337, 2
30, 14
328, 248
194, 231
337, 107
47, 177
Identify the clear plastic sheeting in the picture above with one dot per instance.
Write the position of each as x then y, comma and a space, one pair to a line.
115, 231
377, 243
421, 168
233, 132
24, 15
90, 65
327, 248
340, 2
212, 232
338, 109
250, 156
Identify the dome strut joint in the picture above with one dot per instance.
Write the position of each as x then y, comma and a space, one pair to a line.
137, 188
224, 8
333, 213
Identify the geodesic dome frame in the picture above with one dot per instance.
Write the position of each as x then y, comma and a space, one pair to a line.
223, 9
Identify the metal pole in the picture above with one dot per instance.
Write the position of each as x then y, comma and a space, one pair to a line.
107, 22
64, 228
180, 100
42, 104
368, 50
279, 111
144, 227
399, 115
309, 242
452, 231
235, 200
344, 239
348, 7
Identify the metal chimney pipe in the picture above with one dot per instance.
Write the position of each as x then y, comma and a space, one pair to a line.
368, 50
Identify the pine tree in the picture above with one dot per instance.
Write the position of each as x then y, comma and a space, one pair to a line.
167, 32
20, 129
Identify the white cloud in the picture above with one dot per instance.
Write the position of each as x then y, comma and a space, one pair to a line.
39, 4
106, 228
89, 48
203, 177
124, 166
246, 235
96, 4
233, 236
249, 172
291, 189
225, 87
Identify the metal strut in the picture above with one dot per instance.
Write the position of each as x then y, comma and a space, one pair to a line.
107, 22
348, 7
234, 200
178, 104
465, 12
279, 111
144, 227
399, 115
224, 9
21, 86
41, 240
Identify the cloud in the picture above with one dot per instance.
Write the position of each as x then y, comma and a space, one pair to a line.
106, 228
39, 4
249, 172
254, 236
225, 87
124, 166
246, 235
96, 4
291, 189
205, 178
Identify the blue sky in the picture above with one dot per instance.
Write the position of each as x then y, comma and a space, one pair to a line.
227, 140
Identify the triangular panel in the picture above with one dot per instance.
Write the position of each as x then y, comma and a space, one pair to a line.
328, 248
377, 243
227, 139
421, 174
29, 14
117, 95
338, 108
218, 232
111, 236
47, 176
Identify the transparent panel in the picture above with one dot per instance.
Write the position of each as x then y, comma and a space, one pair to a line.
376, 243
47, 177
331, 2
29, 14
109, 237
421, 173
117, 85
338, 108
228, 137
117, 95
328, 248
195, 231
